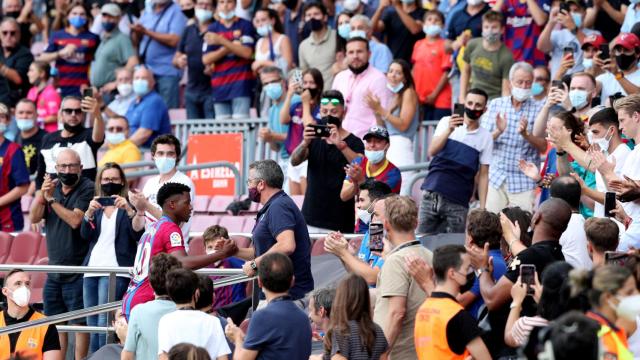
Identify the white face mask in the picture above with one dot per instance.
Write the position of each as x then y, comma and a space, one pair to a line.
21, 296
629, 307
520, 94
364, 215
603, 142
124, 89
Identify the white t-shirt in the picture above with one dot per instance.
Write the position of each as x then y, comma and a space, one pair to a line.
152, 187
631, 237
104, 251
611, 86
193, 327
620, 154
564, 38
479, 139
574, 243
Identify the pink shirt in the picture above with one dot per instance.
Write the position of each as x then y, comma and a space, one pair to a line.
47, 104
360, 117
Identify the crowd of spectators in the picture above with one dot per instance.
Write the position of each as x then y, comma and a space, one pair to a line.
534, 174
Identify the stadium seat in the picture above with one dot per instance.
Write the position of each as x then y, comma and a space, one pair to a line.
299, 200
253, 209
42, 250
232, 223
201, 203
37, 282
25, 203
219, 203
318, 247
196, 246
249, 222
5, 246
177, 114
24, 248
200, 223
242, 241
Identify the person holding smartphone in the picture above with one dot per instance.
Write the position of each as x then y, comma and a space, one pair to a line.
112, 227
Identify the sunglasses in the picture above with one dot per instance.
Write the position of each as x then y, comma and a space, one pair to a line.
115, 129
326, 101
12, 33
69, 111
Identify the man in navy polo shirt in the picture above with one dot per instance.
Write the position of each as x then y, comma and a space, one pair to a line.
148, 114
280, 227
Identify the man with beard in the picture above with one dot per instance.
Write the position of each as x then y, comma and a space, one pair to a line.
358, 82
74, 135
623, 75
319, 49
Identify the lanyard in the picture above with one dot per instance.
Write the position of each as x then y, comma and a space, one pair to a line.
410, 243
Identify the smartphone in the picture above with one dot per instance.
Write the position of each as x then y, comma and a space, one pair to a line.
321, 130
527, 276
376, 234
106, 201
609, 203
458, 109
88, 92
567, 51
557, 84
565, 7
297, 77
614, 97
615, 258
604, 52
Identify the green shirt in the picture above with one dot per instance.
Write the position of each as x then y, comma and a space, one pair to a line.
114, 51
589, 180
488, 68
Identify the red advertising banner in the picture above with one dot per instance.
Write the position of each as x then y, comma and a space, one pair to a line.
214, 147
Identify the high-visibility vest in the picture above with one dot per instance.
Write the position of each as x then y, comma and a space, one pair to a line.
430, 332
29, 343
614, 344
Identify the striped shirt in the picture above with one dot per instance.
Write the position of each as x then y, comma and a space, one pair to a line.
523, 327
510, 147
73, 72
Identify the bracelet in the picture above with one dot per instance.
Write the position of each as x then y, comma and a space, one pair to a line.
515, 306
561, 153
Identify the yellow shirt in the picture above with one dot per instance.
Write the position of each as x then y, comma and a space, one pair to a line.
123, 153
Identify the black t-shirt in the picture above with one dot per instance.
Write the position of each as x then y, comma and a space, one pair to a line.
31, 148
51, 340
325, 174
608, 27
462, 328
65, 246
82, 143
191, 44
399, 39
19, 60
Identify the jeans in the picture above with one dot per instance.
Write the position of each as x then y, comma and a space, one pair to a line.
433, 113
96, 290
60, 297
236, 108
438, 215
169, 88
199, 105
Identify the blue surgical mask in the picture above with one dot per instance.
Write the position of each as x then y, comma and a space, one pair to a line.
587, 63
114, 138
3, 128
536, 89
141, 87
344, 30
77, 21
432, 30
203, 15
264, 30
165, 164
578, 98
273, 91
357, 33
108, 26
374, 157
24, 124
227, 16
408, 1
577, 19
395, 89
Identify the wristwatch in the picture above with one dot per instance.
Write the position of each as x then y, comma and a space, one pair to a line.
51, 201
619, 75
253, 265
480, 271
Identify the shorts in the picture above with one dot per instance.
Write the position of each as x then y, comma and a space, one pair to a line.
61, 297
296, 173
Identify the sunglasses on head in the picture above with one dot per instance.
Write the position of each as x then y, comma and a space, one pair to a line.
326, 101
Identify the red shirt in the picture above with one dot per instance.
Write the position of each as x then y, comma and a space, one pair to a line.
431, 61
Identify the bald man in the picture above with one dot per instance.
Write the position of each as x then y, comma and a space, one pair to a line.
548, 224
61, 202
148, 114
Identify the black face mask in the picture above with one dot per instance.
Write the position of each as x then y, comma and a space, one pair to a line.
331, 120
112, 188
625, 61
472, 114
74, 129
471, 278
359, 70
12, 14
189, 13
68, 179
312, 92
316, 25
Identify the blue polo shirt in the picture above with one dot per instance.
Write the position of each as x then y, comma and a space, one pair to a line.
499, 269
280, 213
149, 113
158, 56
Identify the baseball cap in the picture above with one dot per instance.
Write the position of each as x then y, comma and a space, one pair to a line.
111, 9
627, 40
594, 40
377, 131
577, 2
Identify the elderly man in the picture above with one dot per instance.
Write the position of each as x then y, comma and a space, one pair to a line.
85, 141
148, 114
27, 18
15, 60
381, 56
125, 96
121, 149
356, 83
61, 204
115, 50
510, 120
